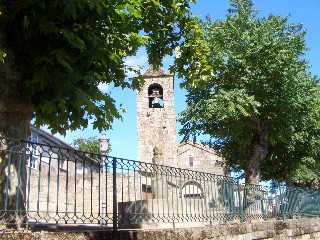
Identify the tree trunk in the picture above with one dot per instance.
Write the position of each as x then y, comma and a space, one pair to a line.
15, 115
288, 180
257, 153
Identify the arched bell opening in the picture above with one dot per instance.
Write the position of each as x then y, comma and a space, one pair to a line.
155, 95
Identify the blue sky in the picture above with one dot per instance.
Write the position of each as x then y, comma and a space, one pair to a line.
123, 136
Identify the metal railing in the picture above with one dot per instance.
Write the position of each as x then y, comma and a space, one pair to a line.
63, 186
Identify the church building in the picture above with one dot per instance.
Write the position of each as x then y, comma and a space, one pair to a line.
156, 125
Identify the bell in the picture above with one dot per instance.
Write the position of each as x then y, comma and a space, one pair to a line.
156, 103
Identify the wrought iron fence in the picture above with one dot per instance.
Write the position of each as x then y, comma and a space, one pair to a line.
62, 186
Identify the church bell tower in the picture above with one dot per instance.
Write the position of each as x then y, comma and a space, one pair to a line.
156, 121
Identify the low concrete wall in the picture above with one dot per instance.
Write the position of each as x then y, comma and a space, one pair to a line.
290, 229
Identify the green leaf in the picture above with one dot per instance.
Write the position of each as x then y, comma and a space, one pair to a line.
73, 39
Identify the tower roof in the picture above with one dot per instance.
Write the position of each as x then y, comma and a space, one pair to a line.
151, 71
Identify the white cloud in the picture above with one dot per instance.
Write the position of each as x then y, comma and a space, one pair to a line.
103, 87
141, 60
136, 61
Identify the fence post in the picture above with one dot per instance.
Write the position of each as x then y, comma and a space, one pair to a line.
115, 202
240, 201
281, 204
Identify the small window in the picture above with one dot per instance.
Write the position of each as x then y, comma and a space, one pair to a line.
33, 152
61, 162
46, 152
34, 138
79, 167
86, 169
190, 161
192, 191
193, 196
32, 162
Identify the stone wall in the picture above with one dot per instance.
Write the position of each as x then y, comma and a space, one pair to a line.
77, 198
156, 126
291, 229
150, 196
204, 158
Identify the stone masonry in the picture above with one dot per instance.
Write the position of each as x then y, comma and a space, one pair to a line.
156, 126
290, 229
78, 198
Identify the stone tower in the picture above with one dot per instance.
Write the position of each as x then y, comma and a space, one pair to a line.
156, 121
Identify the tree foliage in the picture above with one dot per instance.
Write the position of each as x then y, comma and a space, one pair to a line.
294, 158
90, 145
55, 54
63, 50
249, 89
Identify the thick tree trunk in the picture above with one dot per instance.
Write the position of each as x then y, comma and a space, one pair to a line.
257, 153
12, 169
288, 180
15, 114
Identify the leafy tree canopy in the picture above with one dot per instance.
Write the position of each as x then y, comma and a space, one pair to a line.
56, 54
249, 89
90, 145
